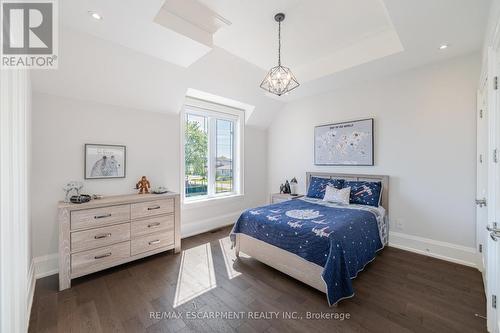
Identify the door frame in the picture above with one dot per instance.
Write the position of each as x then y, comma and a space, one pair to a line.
481, 97
492, 269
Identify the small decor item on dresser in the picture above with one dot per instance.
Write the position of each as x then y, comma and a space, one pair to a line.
143, 185
78, 199
104, 161
159, 190
293, 186
287, 188
71, 187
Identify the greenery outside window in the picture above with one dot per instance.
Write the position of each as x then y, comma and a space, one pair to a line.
211, 154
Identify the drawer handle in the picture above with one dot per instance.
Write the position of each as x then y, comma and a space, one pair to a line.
102, 236
102, 216
153, 225
153, 208
154, 242
103, 255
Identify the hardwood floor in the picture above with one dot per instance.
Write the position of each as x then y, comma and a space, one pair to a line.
398, 292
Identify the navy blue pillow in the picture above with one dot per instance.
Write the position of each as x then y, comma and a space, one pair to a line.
364, 193
318, 185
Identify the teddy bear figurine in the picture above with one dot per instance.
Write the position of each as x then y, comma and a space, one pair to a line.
143, 185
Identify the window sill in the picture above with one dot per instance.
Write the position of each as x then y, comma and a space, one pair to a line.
198, 203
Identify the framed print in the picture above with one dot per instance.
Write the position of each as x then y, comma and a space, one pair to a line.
104, 161
347, 143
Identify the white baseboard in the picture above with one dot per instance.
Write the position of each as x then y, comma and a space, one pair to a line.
31, 290
199, 227
459, 254
463, 255
49, 264
46, 265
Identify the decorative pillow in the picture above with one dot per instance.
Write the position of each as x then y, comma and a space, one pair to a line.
365, 193
338, 196
318, 185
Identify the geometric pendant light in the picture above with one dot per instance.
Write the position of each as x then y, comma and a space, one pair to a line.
280, 79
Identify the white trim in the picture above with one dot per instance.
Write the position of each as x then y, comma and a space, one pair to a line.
493, 249
46, 265
206, 202
215, 110
15, 117
495, 38
193, 94
458, 254
212, 109
31, 290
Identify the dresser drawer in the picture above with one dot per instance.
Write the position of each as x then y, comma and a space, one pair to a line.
90, 218
151, 208
151, 225
151, 242
97, 259
94, 238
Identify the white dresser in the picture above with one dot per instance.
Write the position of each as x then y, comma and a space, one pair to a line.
117, 229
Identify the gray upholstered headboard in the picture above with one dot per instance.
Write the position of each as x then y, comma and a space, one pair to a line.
384, 201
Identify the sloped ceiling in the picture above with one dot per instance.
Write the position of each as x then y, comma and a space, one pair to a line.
96, 70
128, 60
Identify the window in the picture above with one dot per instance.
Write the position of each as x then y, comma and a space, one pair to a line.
196, 155
211, 151
224, 156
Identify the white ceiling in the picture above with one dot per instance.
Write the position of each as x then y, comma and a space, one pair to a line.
131, 23
95, 70
319, 37
422, 26
127, 59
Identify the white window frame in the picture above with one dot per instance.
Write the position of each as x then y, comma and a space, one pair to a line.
214, 111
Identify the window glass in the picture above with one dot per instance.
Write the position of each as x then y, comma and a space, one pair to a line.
196, 155
224, 156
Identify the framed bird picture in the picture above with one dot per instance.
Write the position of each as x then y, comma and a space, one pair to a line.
105, 161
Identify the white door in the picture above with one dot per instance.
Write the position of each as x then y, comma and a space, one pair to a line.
482, 177
492, 229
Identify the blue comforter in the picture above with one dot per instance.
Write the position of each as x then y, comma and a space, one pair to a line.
341, 240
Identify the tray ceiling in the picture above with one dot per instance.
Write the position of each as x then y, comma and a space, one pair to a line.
319, 37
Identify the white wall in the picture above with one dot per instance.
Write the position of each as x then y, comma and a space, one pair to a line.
62, 126
16, 275
424, 140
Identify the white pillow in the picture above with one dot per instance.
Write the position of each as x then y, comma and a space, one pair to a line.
333, 194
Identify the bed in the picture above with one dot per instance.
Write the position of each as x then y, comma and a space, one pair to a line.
324, 245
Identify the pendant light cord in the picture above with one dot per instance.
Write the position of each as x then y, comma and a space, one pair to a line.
279, 43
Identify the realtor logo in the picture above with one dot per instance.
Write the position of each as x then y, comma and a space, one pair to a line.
29, 34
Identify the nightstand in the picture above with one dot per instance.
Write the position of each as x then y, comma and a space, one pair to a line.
280, 197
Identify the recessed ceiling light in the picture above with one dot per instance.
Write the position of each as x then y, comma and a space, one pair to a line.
443, 46
95, 15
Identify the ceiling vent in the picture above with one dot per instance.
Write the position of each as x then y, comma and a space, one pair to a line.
192, 19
